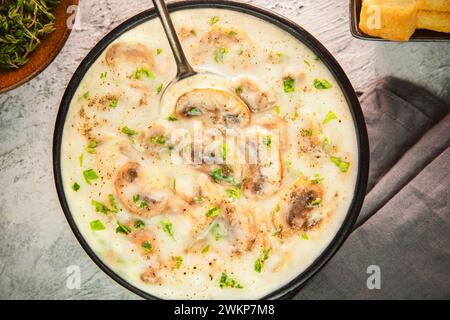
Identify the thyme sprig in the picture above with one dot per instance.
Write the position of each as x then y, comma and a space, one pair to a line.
23, 25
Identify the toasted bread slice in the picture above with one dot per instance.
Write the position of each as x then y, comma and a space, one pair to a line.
433, 20
434, 5
389, 19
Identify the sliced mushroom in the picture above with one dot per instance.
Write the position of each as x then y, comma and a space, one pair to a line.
130, 53
225, 43
135, 193
295, 213
265, 165
256, 98
214, 108
242, 228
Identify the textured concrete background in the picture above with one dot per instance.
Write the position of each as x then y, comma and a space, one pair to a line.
36, 244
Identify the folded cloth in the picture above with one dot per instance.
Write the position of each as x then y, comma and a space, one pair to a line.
404, 226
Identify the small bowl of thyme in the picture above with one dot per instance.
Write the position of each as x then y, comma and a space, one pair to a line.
32, 33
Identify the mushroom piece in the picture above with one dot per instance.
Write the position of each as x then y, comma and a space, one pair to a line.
225, 42
131, 53
214, 108
295, 213
253, 95
242, 228
264, 164
135, 193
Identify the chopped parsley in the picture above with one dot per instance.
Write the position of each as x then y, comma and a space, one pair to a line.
76, 187
206, 248
305, 236
213, 212
259, 263
233, 194
329, 117
267, 141
86, 95
307, 63
80, 159
158, 140
321, 84
216, 231
178, 261
113, 204
91, 147
227, 282
341, 164
97, 225
143, 72
89, 175
147, 246
113, 103
316, 179
159, 51
214, 20
159, 88
139, 224
316, 202
238, 90
103, 75
193, 111
232, 33
122, 228
218, 175
167, 228
219, 54
129, 131
100, 207
172, 118
289, 85
277, 110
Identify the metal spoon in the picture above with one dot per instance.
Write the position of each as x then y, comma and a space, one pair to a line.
184, 69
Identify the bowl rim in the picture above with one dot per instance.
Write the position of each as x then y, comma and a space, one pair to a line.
300, 34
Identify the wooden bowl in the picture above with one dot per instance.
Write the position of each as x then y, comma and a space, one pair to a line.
46, 52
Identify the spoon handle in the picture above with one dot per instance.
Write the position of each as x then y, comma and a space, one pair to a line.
184, 69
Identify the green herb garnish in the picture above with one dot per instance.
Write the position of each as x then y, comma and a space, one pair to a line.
76, 187
100, 207
158, 140
91, 147
129, 131
89, 175
159, 51
192, 112
159, 88
122, 228
289, 85
316, 179
103, 75
214, 20
342, 165
178, 262
113, 203
213, 212
216, 231
147, 246
172, 118
219, 54
97, 225
114, 103
227, 282
277, 110
305, 236
167, 228
233, 194
206, 248
143, 72
139, 224
321, 84
267, 141
330, 116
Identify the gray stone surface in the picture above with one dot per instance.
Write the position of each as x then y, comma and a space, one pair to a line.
36, 244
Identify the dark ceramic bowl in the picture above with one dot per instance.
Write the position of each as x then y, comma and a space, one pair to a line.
303, 36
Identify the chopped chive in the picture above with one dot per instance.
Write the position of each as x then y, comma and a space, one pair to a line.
89, 175
321, 84
76, 187
96, 225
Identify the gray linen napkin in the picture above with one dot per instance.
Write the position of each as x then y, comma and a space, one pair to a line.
404, 226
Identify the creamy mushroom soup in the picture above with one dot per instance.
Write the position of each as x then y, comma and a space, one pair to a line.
230, 184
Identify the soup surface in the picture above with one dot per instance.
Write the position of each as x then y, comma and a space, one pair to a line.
227, 185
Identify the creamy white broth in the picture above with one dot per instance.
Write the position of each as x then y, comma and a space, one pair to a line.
270, 57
